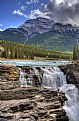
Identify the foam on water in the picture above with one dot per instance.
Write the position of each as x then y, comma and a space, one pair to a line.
54, 78
72, 105
22, 79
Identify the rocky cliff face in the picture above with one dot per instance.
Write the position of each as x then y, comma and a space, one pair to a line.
65, 28
41, 25
72, 73
31, 103
38, 25
9, 77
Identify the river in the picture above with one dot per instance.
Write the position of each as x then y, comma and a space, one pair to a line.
52, 77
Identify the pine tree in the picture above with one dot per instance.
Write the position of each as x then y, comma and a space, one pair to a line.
76, 53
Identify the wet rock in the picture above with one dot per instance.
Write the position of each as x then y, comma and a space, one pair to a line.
72, 73
33, 75
36, 81
3, 119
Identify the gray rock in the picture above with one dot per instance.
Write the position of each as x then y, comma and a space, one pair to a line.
72, 73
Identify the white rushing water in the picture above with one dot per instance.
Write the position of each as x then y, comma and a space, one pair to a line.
22, 78
72, 105
54, 78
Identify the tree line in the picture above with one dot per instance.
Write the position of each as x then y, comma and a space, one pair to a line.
23, 51
76, 53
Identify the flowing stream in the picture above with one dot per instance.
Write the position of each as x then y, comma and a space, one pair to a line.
53, 77
22, 79
72, 105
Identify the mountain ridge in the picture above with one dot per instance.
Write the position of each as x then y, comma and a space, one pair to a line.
31, 30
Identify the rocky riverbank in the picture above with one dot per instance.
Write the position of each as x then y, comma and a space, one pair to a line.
9, 77
72, 73
31, 103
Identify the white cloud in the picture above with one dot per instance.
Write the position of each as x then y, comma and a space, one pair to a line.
20, 13
37, 13
65, 11
45, 6
1, 29
42, 4
1, 25
33, 14
32, 1
23, 7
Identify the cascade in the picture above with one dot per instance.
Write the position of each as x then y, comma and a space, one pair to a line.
53, 77
72, 105
22, 78
27, 79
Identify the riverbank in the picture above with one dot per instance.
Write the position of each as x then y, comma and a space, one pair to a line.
35, 58
72, 73
31, 103
36, 103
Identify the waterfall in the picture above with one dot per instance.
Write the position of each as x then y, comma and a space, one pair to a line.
72, 105
53, 77
22, 78
28, 78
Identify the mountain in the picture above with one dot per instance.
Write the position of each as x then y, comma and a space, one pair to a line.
38, 26
44, 33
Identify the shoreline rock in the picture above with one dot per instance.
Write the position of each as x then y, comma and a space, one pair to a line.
72, 73
33, 104
9, 77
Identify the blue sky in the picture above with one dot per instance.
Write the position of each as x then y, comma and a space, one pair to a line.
15, 12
